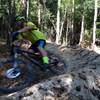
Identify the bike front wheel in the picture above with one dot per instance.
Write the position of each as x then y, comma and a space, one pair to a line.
10, 85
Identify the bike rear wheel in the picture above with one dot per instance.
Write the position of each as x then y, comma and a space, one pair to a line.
24, 80
57, 65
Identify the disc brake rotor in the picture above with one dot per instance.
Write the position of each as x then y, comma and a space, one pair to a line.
12, 73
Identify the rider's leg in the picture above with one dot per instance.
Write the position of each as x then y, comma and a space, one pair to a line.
41, 49
40, 46
45, 58
43, 54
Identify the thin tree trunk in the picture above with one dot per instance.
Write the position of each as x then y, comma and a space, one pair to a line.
39, 13
82, 25
73, 8
10, 12
25, 4
82, 30
94, 25
58, 23
67, 32
62, 24
11, 17
43, 16
27, 8
72, 24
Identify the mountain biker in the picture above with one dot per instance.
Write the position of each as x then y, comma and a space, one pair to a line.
29, 31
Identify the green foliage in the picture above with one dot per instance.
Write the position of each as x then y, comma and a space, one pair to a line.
18, 7
98, 24
98, 33
52, 6
33, 10
49, 13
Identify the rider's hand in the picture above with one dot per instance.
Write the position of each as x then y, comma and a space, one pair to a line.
14, 35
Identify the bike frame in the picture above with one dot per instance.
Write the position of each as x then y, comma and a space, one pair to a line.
26, 54
33, 60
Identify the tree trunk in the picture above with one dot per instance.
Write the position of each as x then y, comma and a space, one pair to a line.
11, 18
25, 5
62, 23
82, 30
73, 12
39, 13
58, 23
94, 25
67, 31
13, 15
27, 8
44, 12
71, 33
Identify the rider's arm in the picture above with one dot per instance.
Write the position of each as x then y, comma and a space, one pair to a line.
15, 34
29, 26
25, 29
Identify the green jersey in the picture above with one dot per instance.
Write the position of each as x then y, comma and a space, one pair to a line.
33, 35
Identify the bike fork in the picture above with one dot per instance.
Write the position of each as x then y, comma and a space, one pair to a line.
15, 64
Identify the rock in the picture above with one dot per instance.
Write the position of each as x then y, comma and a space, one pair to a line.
82, 76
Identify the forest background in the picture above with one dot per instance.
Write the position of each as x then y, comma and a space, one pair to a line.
68, 22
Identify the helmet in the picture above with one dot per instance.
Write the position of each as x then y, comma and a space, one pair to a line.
20, 18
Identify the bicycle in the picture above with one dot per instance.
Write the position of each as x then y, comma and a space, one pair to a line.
13, 70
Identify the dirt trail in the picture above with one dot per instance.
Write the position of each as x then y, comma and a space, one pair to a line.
80, 82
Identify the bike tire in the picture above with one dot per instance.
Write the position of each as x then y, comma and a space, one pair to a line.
57, 67
24, 83
52, 69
